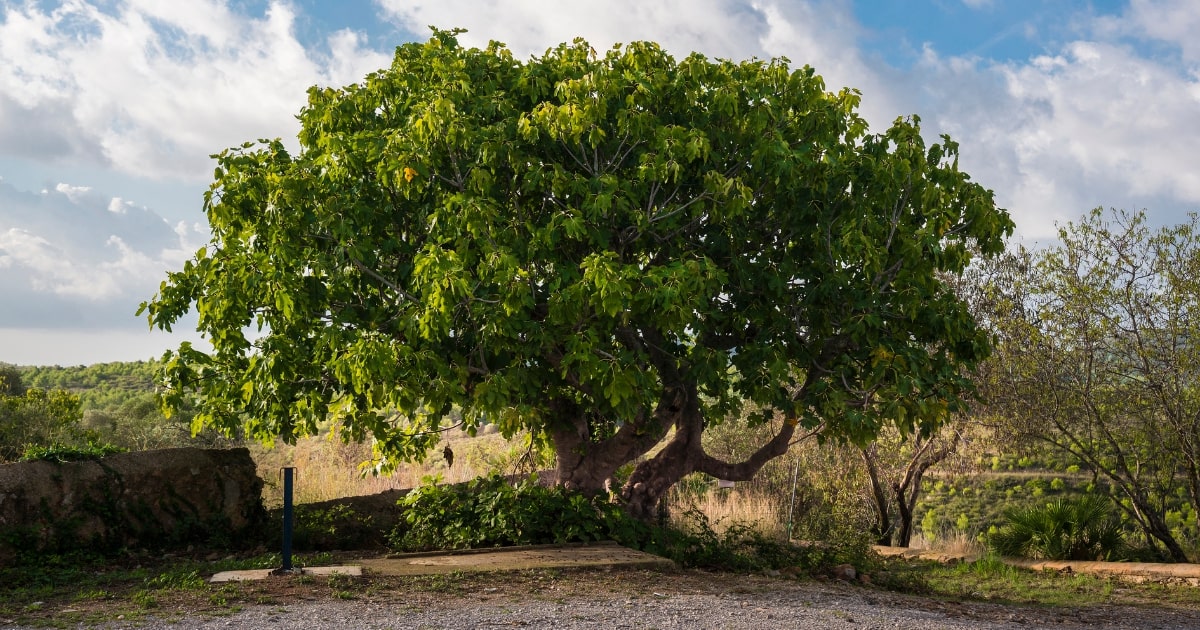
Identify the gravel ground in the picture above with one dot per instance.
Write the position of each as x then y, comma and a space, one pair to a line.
646, 600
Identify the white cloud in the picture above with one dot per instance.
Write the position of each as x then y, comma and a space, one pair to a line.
1173, 22
530, 27
1097, 124
978, 4
152, 88
67, 259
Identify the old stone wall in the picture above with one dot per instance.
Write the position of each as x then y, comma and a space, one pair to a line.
147, 499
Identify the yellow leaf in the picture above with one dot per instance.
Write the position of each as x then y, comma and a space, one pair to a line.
409, 174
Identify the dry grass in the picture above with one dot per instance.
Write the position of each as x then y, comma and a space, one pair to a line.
950, 542
729, 508
329, 469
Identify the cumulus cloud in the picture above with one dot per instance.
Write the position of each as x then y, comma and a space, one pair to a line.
1171, 22
68, 259
152, 88
1100, 122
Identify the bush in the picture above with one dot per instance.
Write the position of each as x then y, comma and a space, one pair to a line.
62, 453
491, 512
338, 527
1079, 529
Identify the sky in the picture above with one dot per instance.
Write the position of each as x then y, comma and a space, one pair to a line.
111, 109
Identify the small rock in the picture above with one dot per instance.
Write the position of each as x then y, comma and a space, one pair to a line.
772, 573
845, 572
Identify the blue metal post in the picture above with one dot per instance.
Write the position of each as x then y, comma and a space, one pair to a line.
287, 518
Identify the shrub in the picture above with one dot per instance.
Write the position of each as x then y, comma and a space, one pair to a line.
491, 512
62, 453
1064, 529
338, 527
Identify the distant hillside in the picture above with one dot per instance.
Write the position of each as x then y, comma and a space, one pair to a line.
99, 386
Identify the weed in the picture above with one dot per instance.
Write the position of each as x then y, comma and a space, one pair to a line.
177, 580
490, 511
63, 453
144, 599
93, 595
343, 586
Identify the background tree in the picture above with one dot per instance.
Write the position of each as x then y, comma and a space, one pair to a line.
605, 250
38, 417
896, 465
1097, 357
11, 383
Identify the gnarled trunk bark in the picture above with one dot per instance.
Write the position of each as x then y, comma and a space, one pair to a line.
586, 463
684, 454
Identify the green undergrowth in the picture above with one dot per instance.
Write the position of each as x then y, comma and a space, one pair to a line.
63, 453
990, 579
491, 512
84, 588
979, 506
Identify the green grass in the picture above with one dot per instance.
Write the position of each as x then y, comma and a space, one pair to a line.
82, 588
989, 579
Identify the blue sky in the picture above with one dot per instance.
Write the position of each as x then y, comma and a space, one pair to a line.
109, 110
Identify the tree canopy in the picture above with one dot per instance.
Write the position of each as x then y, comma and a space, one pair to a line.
596, 248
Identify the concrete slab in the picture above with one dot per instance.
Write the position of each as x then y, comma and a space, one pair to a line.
597, 555
262, 574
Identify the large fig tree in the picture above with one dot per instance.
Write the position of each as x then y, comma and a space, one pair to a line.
610, 251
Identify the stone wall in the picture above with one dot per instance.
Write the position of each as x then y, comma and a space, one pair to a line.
148, 499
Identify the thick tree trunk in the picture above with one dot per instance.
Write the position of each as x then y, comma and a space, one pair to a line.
904, 534
647, 487
684, 454
588, 464
907, 505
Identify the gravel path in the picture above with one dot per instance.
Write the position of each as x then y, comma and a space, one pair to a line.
762, 605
